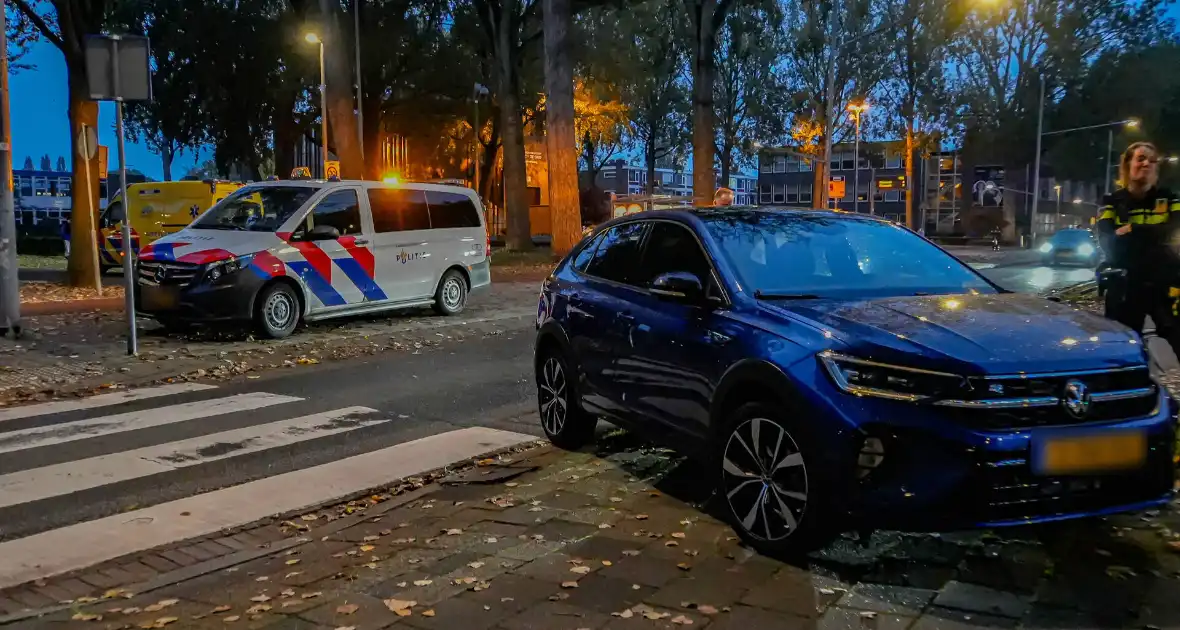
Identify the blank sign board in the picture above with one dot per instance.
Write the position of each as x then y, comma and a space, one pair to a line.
118, 67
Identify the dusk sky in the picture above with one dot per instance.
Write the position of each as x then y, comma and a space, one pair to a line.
39, 123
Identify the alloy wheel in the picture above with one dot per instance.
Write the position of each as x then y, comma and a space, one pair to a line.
551, 390
764, 479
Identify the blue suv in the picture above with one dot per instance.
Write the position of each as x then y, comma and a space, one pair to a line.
835, 372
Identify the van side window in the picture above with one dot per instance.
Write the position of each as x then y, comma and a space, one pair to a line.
339, 209
451, 210
398, 209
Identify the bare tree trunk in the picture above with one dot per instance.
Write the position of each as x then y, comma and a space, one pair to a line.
649, 160
167, 154
341, 104
703, 77
516, 201
83, 199
820, 184
726, 159
564, 204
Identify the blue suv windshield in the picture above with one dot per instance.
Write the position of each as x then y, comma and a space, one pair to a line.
828, 256
256, 208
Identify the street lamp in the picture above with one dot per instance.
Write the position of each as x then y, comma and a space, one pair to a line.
313, 38
857, 109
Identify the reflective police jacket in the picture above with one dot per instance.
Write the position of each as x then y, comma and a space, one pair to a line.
1148, 251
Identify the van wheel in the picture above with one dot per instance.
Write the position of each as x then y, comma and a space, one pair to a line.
276, 311
451, 296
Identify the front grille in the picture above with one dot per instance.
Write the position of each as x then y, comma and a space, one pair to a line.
995, 403
1008, 489
168, 273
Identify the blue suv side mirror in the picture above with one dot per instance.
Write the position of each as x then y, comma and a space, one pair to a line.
680, 286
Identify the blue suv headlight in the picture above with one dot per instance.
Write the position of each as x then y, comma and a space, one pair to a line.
861, 377
215, 271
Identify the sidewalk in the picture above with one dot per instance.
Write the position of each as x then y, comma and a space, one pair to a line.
613, 539
76, 353
1005, 256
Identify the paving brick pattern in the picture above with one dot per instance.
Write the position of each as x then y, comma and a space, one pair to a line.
622, 539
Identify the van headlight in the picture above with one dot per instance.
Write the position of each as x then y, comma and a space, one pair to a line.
1085, 249
1045, 248
861, 377
215, 271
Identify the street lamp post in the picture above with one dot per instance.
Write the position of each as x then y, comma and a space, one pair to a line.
857, 109
312, 38
1058, 189
360, 109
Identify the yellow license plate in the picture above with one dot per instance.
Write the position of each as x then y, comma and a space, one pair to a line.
159, 299
1099, 452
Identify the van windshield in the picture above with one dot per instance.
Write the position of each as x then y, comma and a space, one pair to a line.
255, 208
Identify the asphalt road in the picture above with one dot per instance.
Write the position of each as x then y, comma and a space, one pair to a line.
483, 381
1035, 278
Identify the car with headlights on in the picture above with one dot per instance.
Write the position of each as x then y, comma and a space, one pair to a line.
837, 372
1072, 246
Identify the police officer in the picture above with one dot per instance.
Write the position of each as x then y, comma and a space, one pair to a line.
1137, 226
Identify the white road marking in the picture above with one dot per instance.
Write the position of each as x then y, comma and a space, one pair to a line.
133, 420
51, 481
85, 544
101, 400
982, 266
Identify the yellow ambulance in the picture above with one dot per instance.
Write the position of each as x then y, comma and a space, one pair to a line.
157, 209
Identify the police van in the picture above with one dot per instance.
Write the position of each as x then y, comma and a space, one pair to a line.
280, 252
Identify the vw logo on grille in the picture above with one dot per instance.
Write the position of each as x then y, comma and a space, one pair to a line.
161, 273
1076, 398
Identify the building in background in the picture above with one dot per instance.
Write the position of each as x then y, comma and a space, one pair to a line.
623, 178
787, 177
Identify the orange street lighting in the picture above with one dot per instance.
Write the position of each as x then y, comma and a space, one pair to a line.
312, 38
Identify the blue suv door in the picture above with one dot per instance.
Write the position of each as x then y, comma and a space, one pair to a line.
676, 351
602, 305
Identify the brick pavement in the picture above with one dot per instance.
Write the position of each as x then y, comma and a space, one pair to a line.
623, 538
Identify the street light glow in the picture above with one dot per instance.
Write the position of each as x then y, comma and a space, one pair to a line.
312, 38
1077, 201
858, 107
1172, 159
1131, 123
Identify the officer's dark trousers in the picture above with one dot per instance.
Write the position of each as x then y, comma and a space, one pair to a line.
1130, 303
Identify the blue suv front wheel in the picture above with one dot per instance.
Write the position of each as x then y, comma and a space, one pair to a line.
771, 481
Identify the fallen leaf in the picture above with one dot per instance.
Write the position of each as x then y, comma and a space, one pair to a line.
604, 526
570, 584
423, 582
678, 534
1119, 572
630, 552
292, 561
684, 566
706, 609
482, 586
86, 617
310, 517
222, 608
287, 593
580, 570
606, 563
347, 609
261, 578
465, 580
656, 615
115, 592
370, 538
257, 598
475, 565
868, 614
131, 610
616, 499
681, 620
454, 532
310, 595
671, 543
400, 605
367, 548
163, 621
346, 628
428, 613
556, 597
257, 608
231, 618
626, 614
641, 517
635, 587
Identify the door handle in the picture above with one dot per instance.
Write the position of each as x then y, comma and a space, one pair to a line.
626, 318
361, 241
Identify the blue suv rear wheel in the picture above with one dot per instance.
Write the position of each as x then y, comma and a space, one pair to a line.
564, 421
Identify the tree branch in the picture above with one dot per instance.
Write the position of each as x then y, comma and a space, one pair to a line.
40, 23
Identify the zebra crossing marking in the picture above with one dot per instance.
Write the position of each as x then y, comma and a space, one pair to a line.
101, 400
